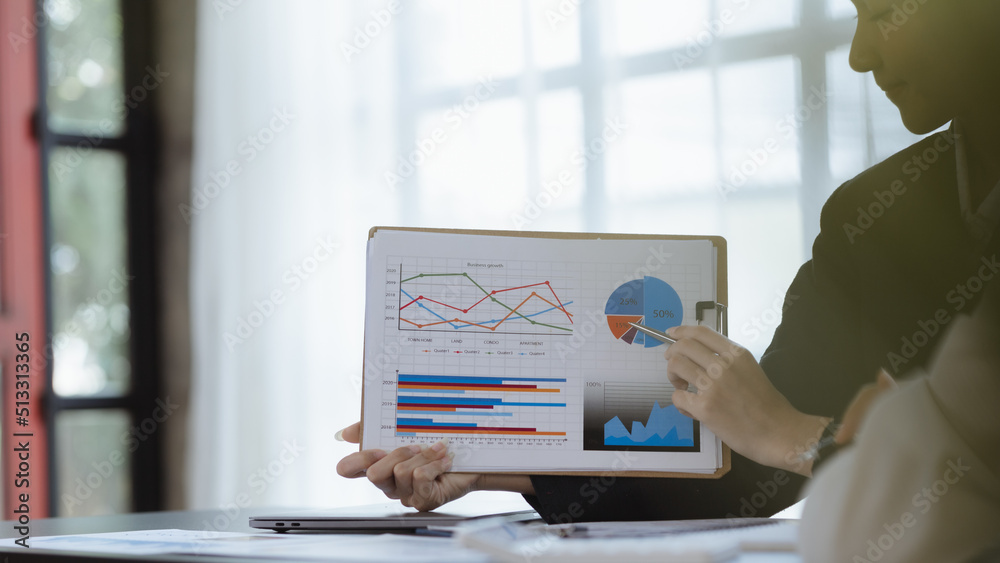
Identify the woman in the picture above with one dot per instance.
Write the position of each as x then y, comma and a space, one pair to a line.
904, 248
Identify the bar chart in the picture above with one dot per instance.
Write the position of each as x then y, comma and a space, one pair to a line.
446, 405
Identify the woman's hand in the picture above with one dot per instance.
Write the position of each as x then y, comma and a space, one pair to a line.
860, 406
720, 384
419, 475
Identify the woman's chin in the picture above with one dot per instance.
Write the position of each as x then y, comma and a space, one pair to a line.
921, 122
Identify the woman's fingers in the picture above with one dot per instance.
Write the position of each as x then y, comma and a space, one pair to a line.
430, 485
855, 413
413, 474
357, 464
861, 404
885, 382
350, 434
683, 373
713, 341
693, 349
685, 401
382, 473
405, 471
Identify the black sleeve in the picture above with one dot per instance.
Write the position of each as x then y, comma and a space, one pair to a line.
748, 490
827, 345
820, 355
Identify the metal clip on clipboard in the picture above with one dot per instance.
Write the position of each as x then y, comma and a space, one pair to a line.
721, 315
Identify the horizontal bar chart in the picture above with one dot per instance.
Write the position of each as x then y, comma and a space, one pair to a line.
446, 404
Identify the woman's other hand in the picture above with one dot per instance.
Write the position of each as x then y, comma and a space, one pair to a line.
720, 384
419, 476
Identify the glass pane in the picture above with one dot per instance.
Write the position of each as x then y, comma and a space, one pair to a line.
477, 38
474, 172
640, 26
687, 216
90, 279
562, 154
738, 17
666, 139
555, 33
760, 146
84, 62
93, 461
764, 237
840, 9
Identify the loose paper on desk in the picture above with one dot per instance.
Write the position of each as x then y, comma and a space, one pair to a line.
268, 546
518, 350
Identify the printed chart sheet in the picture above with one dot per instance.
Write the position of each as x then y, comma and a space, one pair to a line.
518, 349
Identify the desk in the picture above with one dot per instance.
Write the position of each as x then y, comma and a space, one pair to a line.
181, 520
195, 520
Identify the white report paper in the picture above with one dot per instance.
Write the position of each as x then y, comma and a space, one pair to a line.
518, 350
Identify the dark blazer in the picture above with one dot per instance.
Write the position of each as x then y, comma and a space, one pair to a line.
892, 267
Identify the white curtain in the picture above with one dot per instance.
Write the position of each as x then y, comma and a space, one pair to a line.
279, 215
304, 106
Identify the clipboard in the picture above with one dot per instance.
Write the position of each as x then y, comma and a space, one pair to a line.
712, 313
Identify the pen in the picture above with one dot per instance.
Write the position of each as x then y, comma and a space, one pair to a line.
659, 335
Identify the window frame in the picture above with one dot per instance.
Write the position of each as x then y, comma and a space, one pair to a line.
817, 30
22, 295
138, 145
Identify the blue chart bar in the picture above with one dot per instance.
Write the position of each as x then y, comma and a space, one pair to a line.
461, 401
428, 422
455, 401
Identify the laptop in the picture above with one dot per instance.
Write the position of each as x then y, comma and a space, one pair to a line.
391, 516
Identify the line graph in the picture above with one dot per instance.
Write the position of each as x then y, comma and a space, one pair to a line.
459, 302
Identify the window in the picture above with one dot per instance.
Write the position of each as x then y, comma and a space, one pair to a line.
93, 122
717, 117
706, 117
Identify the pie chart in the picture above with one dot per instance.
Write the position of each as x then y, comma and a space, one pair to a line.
649, 301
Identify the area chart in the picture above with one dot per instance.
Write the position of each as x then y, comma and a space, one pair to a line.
664, 427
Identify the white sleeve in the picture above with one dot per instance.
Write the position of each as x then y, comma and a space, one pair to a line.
922, 481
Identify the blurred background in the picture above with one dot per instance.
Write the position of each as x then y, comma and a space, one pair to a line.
208, 171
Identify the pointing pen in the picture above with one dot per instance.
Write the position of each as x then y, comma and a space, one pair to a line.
657, 334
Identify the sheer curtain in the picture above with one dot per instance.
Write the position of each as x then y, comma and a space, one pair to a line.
316, 120
285, 134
